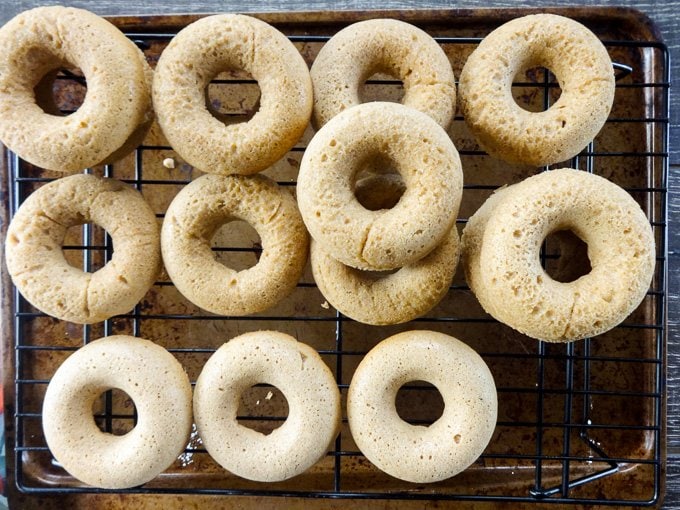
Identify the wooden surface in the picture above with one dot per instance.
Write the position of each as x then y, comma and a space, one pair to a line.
664, 13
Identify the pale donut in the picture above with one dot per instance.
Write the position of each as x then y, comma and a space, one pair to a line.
424, 156
313, 406
117, 109
219, 43
200, 209
390, 46
36, 262
585, 74
501, 245
392, 299
412, 452
160, 390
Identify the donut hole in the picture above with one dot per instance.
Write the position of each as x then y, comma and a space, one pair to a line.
419, 403
233, 97
378, 185
566, 256
85, 247
376, 275
61, 92
263, 408
114, 412
237, 245
535, 89
381, 86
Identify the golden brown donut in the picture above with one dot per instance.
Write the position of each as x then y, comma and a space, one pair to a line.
160, 390
117, 109
421, 152
36, 262
399, 297
206, 204
502, 240
411, 452
294, 368
585, 74
199, 53
389, 46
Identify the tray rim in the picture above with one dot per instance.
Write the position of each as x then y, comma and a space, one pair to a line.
648, 30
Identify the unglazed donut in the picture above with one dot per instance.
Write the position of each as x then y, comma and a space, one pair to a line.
219, 43
585, 74
309, 387
200, 209
160, 390
392, 299
117, 109
421, 152
36, 263
502, 240
411, 452
388, 46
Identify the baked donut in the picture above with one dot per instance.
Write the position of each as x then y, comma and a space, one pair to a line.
200, 52
421, 152
156, 383
389, 46
36, 262
411, 452
116, 112
391, 299
585, 74
206, 204
502, 241
307, 383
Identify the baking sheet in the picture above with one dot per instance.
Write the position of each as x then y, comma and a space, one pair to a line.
593, 409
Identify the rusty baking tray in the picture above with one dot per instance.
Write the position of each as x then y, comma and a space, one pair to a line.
578, 423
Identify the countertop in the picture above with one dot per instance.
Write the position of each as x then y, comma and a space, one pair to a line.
663, 12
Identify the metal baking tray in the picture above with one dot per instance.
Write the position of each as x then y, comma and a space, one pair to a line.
578, 423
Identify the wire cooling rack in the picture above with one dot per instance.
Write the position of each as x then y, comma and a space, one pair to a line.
567, 444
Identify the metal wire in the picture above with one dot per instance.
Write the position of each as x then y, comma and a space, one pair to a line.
576, 360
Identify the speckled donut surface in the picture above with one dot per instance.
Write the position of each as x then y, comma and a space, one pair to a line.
388, 46
36, 263
160, 390
391, 299
219, 43
424, 156
294, 368
415, 453
501, 245
117, 108
206, 204
585, 74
